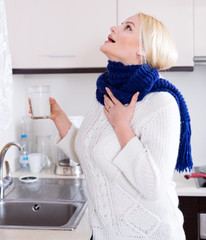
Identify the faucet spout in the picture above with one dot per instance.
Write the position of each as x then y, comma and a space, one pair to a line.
2, 155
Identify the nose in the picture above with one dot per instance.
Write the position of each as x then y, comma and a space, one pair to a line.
114, 29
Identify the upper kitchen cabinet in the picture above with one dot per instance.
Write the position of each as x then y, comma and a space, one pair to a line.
59, 34
199, 28
176, 15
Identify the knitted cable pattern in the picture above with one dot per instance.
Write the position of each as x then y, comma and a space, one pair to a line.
130, 191
125, 81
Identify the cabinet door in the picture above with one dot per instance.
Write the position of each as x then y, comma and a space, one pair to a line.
199, 27
176, 15
189, 208
59, 33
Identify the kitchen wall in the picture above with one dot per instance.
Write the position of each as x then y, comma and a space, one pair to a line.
193, 86
74, 92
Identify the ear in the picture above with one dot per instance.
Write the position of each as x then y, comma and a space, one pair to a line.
141, 56
140, 52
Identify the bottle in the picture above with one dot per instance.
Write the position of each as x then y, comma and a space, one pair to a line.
23, 158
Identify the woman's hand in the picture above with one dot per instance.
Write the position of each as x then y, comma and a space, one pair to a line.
55, 108
58, 116
56, 111
120, 116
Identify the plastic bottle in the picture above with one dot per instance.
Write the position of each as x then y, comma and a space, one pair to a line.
23, 158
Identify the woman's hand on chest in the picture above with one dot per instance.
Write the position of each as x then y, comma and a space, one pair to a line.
120, 116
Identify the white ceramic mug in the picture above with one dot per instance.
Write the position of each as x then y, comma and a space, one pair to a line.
37, 161
40, 104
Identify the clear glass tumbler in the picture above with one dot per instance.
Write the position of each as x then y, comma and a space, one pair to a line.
40, 104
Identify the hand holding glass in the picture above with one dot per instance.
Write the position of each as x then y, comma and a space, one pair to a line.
39, 100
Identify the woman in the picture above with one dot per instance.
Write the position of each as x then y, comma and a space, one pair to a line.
128, 142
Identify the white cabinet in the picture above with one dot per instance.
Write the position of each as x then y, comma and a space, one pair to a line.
59, 33
199, 28
176, 15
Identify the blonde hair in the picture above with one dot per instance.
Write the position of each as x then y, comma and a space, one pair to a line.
159, 48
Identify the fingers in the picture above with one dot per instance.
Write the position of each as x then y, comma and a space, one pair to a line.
106, 111
54, 104
52, 100
108, 102
55, 108
134, 99
114, 100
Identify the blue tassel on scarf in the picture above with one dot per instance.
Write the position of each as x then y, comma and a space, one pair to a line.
125, 81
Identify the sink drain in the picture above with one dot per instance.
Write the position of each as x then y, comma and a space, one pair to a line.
36, 207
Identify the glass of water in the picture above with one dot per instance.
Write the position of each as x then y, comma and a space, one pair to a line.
40, 105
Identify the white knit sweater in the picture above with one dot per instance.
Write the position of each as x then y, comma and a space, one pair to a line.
131, 194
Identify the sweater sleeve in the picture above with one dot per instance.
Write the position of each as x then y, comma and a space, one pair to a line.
66, 144
148, 161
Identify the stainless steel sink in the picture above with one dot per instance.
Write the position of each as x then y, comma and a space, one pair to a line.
49, 203
61, 215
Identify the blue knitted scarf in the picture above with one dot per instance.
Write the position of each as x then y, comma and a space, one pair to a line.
125, 81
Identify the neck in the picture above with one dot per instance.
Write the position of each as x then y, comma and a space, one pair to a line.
137, 60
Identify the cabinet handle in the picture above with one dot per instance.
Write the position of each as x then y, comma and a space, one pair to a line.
198, 60
62, 55
202, 225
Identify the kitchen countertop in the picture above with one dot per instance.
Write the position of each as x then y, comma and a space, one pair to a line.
188, 187
83, 231
184, 187
45, 173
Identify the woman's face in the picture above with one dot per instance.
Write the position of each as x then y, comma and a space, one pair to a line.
123, 42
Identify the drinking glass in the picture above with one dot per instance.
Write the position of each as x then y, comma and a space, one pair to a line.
40, 105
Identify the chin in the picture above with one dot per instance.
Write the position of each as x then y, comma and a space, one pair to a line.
102, 48
108, 53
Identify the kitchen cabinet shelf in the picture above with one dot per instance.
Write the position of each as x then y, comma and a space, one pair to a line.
57, 70
83, 70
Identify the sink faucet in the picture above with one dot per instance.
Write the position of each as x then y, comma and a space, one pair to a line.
5, 181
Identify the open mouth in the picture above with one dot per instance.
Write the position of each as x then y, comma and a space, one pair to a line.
111, 40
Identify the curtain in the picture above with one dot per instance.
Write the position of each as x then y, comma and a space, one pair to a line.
6, 81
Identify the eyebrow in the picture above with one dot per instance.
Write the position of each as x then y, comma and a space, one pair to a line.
130, 23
